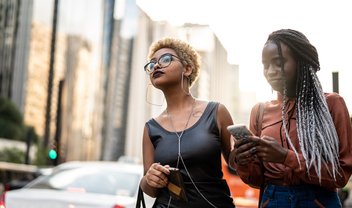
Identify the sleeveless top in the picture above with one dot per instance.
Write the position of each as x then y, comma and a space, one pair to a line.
200, 147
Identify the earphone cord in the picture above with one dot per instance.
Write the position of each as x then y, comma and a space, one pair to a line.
189, 175
179, 156
178, 161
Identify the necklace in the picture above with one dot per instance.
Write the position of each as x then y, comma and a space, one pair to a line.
172, 123
183, 131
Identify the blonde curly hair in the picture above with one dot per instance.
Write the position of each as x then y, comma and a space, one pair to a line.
187, 54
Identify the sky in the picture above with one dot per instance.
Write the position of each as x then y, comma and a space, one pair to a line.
243, 26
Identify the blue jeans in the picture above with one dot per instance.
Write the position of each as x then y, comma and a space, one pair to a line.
302, 196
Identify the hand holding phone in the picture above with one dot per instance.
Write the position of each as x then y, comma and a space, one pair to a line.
239, 131
176, 186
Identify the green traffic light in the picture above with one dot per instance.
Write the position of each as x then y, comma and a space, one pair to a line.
52, 154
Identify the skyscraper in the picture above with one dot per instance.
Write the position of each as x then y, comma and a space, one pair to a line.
15, 30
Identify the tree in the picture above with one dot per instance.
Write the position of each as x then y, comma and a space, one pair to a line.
13, 155
12, 127
11, 121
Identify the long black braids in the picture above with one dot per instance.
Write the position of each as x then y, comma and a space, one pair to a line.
316, 131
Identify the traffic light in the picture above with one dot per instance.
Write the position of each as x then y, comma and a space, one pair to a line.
52, 154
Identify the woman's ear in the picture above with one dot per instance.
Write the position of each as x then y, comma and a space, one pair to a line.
188, 70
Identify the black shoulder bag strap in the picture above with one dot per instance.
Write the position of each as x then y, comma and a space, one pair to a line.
140, 199
259, 120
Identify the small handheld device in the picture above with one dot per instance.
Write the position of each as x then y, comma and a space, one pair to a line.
176, 186
239, 131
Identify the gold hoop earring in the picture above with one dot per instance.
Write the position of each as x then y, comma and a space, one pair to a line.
149, 95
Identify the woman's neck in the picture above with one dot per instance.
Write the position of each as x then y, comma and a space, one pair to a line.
177, 102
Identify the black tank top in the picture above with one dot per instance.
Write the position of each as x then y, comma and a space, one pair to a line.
201, 152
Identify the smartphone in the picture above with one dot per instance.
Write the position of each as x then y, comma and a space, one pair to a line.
176, 186
239, 131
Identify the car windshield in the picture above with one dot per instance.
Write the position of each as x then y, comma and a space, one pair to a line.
91, 180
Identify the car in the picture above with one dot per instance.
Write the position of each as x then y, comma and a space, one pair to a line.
15, 175
81, 184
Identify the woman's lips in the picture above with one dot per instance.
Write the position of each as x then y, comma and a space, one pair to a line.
157, 74
275, 80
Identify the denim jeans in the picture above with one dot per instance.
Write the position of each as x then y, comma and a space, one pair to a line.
302, 196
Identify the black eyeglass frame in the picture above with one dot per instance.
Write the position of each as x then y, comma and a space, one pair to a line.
157, 62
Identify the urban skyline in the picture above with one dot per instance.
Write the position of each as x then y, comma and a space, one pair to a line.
103, 106
98, 109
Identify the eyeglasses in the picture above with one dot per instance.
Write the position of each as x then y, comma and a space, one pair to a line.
164, 61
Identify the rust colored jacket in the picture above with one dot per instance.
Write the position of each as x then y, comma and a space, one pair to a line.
290, 172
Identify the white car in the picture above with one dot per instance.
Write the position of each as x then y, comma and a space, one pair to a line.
81, 185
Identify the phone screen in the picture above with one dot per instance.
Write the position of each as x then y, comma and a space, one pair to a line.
239, 131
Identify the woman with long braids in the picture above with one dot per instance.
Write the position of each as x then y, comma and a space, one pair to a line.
190, 134
301, 151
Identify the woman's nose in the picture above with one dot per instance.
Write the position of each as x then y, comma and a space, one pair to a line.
156, 66
273, 69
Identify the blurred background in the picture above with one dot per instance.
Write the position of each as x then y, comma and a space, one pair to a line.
72, 84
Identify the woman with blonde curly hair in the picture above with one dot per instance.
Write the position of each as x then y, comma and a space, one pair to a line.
189, 135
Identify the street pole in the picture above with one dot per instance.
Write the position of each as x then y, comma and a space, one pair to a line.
51, 76
335, 82
57, 137
29, 138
